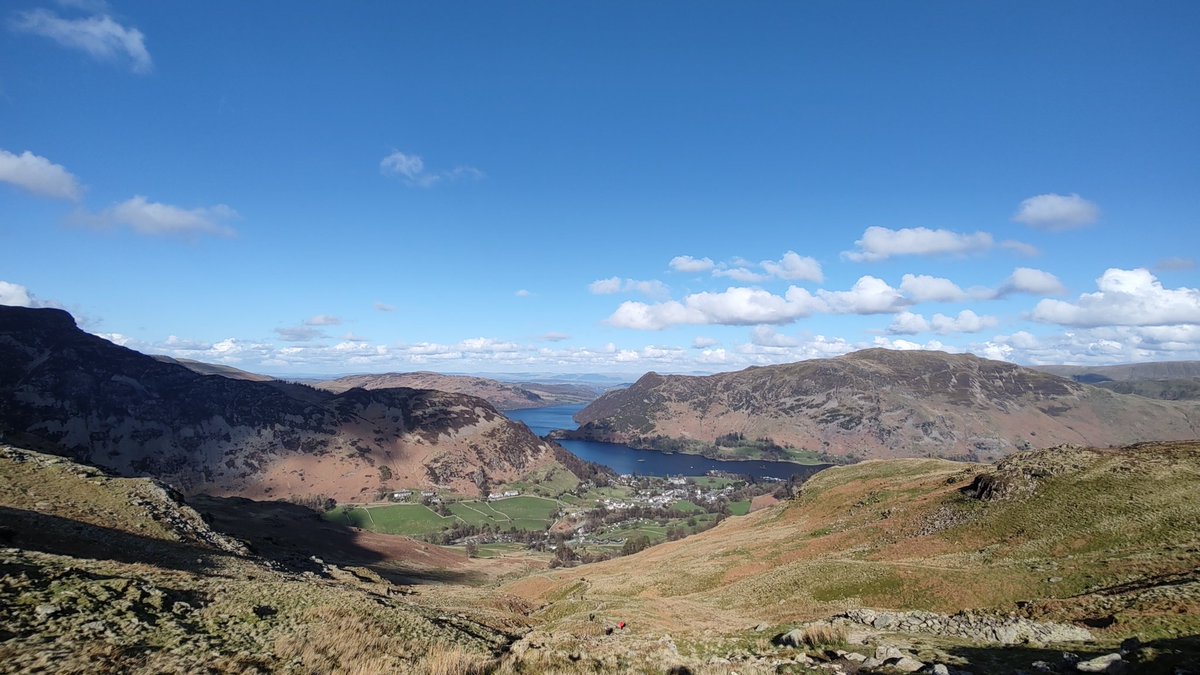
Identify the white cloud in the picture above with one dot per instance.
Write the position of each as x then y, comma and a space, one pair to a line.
1057, 212
908, 345
1097, 346
794, 267
766, 336
966, 322
15, 295
907, 323
1125, 298
1020, 247
1029, 280
411, 169
554, 337
690, 265
881, 243
791, 267
154, 218
384, 307
869, 295
740, 274
704, 342
522, 293
38, 175
651, 288
735, 306
924, 288
99, 36
323, 320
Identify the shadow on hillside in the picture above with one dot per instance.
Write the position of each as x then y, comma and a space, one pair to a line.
291, 535
35, 531
1176, 656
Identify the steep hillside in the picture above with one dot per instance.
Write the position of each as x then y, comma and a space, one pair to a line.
503, 395
65, 391
881, 403
117, 575
1082, 545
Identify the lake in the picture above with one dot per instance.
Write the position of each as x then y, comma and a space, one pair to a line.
624, 459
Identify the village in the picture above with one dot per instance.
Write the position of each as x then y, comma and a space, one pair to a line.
592, 520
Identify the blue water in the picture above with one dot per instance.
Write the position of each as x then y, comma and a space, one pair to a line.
624, 459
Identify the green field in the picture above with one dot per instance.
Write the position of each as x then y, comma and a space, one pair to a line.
740, 508
685, 506
407, 519
713, 482
526, 513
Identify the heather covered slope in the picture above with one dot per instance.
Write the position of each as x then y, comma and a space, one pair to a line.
69, 392
1104, 540
880, 403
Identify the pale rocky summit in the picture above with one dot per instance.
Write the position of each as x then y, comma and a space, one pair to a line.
503, 395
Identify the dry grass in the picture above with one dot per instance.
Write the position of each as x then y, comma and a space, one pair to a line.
451, 661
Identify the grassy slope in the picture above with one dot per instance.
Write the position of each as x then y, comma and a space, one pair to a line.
899, 534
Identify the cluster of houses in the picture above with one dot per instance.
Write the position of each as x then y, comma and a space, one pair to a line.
503, 495
406, 495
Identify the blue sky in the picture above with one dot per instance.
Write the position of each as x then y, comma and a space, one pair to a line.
604, 186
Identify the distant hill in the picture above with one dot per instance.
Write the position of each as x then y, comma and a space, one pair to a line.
65, 391
214, 369
503, 395
1167, 380
1127, 372
879, 403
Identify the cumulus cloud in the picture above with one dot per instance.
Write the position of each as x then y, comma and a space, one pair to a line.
690, 265
925, 288
741, 274
908, 323
704, 342
794, 267
99, 36
39, 176
1032, 281
322, 320
869, 295
411, 169
1057, 212
734, 306
1096, 346
154, 218
15, 295
651, 289
1125, 298
881, 243
908, 345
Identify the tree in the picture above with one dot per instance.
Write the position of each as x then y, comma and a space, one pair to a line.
472, 549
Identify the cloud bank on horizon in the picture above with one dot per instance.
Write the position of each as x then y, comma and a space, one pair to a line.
777, 195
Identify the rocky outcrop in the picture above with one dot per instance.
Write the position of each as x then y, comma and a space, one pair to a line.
977, 628
880, 404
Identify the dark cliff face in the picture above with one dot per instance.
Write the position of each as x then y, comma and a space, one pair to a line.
883, 403
65, 391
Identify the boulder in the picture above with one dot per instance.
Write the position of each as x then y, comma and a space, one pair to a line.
1109, 663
